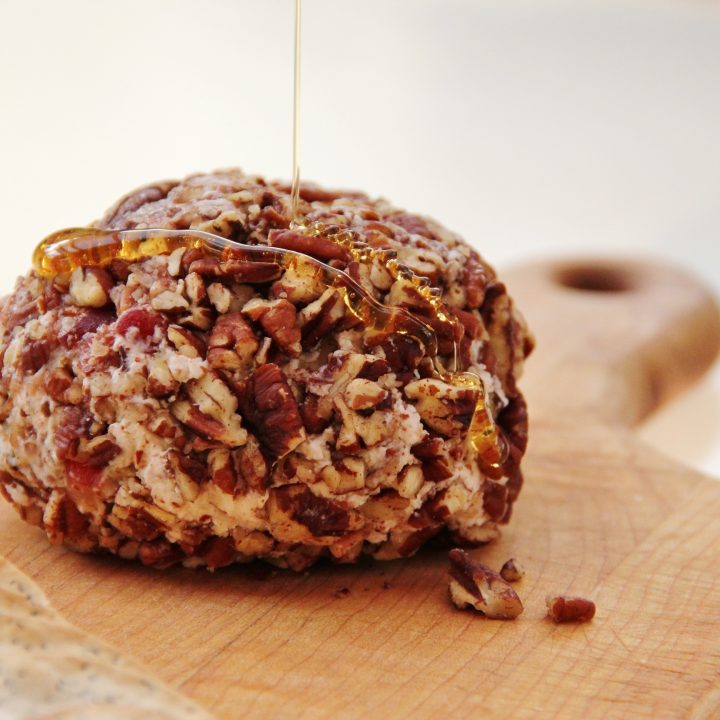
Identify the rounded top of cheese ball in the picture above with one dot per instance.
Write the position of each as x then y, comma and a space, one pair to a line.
188, 408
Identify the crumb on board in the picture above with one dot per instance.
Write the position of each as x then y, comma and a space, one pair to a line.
566, 609
474, 585
512, 571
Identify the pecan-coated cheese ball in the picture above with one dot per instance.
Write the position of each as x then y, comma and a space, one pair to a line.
187, 408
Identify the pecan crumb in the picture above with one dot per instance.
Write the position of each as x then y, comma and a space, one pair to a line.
512, 571
475, 585
563, 609
342, 592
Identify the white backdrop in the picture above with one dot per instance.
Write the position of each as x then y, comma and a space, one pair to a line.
533, 128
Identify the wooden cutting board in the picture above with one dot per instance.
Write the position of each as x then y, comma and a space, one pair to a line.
600, 515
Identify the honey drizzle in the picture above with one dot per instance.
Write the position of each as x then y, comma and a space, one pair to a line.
65, 251
295, 190
365, 254
482, 433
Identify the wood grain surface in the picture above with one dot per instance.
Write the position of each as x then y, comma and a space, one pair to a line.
600, 515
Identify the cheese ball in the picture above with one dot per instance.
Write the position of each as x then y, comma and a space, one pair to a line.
187, 407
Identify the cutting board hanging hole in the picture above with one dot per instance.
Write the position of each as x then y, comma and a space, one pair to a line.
605, 277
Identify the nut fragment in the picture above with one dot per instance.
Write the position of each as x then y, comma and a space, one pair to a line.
169, 302
232, 343
270, 406
512, 571
302, 282
185, 342
222, 470
363, 394
279, 320
211, 411
89, 287
220, 297
347, 475
195, 288
565, 609
319, 317
318, 247
443, 407
160, 380
475, 585
295, 514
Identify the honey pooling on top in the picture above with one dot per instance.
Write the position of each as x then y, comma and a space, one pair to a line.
65, 251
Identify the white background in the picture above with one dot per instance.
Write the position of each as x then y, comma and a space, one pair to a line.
533, 128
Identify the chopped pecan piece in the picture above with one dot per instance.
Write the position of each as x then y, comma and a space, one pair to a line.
252, 465
315, 418
222, 470
220, 297
301, 283
195, 288
135, 522
99, 452
73, 425
374, 369
564, 609
200, 318
211, 411
512, 571
317, 247
411, 480
175, 265
164, 425
385, 510
89, 287
445, 408
475, 280
319, 317
347, 440
495, 498
436, 463
218, 552
278, 319
295, 514
363, 394
270, 407
413, 224
244, 271
402, 352
475, 585
232, 343
160, 554
64, 523
346, 475
186, 342
160, 380
169, 301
